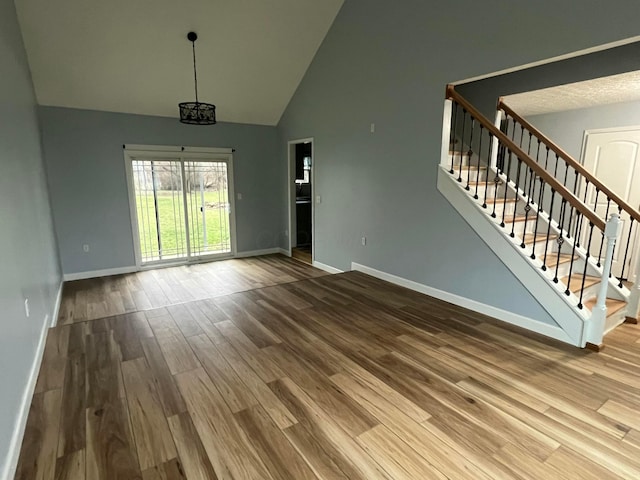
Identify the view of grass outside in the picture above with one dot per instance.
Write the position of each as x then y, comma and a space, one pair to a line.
172, 225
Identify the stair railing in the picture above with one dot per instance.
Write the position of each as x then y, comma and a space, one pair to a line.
475, 143
582, 182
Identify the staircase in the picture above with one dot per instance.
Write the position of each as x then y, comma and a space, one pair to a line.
554, 225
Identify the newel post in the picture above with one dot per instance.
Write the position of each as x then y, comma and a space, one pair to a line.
599, 312
445, 161
634, 299
493, 161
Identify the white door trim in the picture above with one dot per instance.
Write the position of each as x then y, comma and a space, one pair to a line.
292, 192
184, 154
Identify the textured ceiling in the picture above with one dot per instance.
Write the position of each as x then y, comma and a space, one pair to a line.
133, 56
600, 91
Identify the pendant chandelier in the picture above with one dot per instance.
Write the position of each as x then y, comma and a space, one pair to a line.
196, 113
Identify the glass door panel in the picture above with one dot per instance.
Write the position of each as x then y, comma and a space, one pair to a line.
208, 208
160, 210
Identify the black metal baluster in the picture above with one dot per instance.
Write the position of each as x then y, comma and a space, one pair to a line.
560, 241
473, 127
573, 256
555, 171
586, 264
521, 136
538, 153
486, 176
479, 155
546, 245
575, 187
527, 207
546, 161
626, 252
506, 190
502, 152
535, 233
584, 200
452, 137
464, 122
606, 217
513, 221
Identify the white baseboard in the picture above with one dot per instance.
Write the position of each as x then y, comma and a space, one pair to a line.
68, 277
56, 308
489, 310
257, 253
13, 455
326, 268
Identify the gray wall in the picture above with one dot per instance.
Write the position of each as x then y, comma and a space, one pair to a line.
28, 259
85, 163
388, 63
567, 128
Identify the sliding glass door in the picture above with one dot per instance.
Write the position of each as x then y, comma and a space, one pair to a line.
182, 207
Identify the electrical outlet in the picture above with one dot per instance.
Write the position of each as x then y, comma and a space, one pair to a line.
26, 307
373, 128
318, 199
239, 196
85, 247
286, 233
364, 241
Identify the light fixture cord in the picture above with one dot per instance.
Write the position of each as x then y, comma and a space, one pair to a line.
195, 74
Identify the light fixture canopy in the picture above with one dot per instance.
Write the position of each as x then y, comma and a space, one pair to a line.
196, 113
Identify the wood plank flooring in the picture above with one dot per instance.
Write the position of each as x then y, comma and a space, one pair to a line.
330, 377
107, 296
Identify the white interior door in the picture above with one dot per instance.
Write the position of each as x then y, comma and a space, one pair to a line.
614, 158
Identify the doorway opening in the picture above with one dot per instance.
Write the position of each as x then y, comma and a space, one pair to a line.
301, 211
181, 205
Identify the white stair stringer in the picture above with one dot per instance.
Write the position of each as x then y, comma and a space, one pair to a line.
573, 322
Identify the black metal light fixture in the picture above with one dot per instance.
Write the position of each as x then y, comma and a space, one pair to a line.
196, 113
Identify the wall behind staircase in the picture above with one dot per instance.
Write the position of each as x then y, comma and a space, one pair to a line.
567, 128
28, 259
388, 63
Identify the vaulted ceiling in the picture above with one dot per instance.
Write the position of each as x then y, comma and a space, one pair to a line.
133, 56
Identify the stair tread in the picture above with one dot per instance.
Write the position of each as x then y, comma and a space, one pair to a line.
576, 281
539, 239
501, 200
564, 258
613, 305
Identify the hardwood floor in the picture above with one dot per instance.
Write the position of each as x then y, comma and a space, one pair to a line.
107, 296
334, 377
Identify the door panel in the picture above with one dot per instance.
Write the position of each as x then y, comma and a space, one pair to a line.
160, 210
208, 208
614, 158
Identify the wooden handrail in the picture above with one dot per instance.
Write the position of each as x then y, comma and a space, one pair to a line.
569, 160
574, 201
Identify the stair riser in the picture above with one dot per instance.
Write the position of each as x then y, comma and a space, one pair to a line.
539, 248
519, 227
564, 268
456, 158
491, 191
589, 292
615, 319
509, 208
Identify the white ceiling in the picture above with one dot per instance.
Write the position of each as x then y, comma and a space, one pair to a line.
599, 91
133, 56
